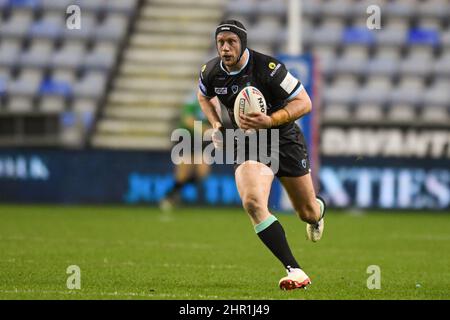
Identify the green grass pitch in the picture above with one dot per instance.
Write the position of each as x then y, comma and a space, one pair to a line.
209, 253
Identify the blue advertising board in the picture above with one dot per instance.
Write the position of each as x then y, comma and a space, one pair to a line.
103, 177
386, 166
100, 176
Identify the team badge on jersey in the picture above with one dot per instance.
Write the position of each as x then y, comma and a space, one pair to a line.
235, 89
304, 163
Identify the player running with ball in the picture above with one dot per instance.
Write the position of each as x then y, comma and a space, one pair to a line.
225, 76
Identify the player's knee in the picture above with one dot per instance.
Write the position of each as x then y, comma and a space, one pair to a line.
252, 205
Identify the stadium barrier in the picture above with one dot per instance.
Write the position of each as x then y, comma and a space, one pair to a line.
136, 177
386, 166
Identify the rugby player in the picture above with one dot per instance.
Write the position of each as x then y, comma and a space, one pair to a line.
187, 171
225, 76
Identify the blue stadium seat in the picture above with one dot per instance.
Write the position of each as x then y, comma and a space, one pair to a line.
419, 36
358, 36
25, 3
51, 86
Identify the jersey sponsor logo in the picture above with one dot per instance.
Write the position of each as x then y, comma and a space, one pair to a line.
275, 70
289, 83
235, 89
221, 90
272, 65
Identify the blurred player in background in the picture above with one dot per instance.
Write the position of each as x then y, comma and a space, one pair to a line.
187, 172
224, 77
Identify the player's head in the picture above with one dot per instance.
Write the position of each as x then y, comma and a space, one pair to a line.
231, 41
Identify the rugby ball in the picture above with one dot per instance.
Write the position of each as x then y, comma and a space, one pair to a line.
250, 99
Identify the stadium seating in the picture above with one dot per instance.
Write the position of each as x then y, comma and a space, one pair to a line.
133, 63
159, 71
54, 73
396, 73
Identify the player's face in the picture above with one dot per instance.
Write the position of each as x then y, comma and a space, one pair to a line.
229, 48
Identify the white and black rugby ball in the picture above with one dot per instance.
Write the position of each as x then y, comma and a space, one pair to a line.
250, 99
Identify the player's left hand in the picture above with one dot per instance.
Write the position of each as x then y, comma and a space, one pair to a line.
255, 120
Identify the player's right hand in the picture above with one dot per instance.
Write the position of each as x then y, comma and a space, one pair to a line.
217, 136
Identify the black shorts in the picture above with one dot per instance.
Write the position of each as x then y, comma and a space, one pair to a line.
291, 159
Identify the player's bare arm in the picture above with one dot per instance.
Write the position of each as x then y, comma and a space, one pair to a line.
296, 108
210, 109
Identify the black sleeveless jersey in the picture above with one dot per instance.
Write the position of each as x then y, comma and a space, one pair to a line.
267, 74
